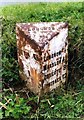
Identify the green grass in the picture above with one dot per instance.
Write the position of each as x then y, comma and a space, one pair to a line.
0, 114
1, 10
62, 104
0, 85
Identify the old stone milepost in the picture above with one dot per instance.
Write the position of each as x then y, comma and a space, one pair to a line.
42, 54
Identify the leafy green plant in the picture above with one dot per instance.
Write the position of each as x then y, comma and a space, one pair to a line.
52, 105
16, 106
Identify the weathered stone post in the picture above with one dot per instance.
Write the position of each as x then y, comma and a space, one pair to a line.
43, 54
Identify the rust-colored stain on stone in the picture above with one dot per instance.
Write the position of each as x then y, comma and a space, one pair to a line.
42, 54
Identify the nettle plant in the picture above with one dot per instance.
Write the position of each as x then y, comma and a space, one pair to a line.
17, 106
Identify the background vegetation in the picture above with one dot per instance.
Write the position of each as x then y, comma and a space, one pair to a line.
57, 104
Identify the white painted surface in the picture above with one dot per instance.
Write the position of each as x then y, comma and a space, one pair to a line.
58, 42
30, 62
